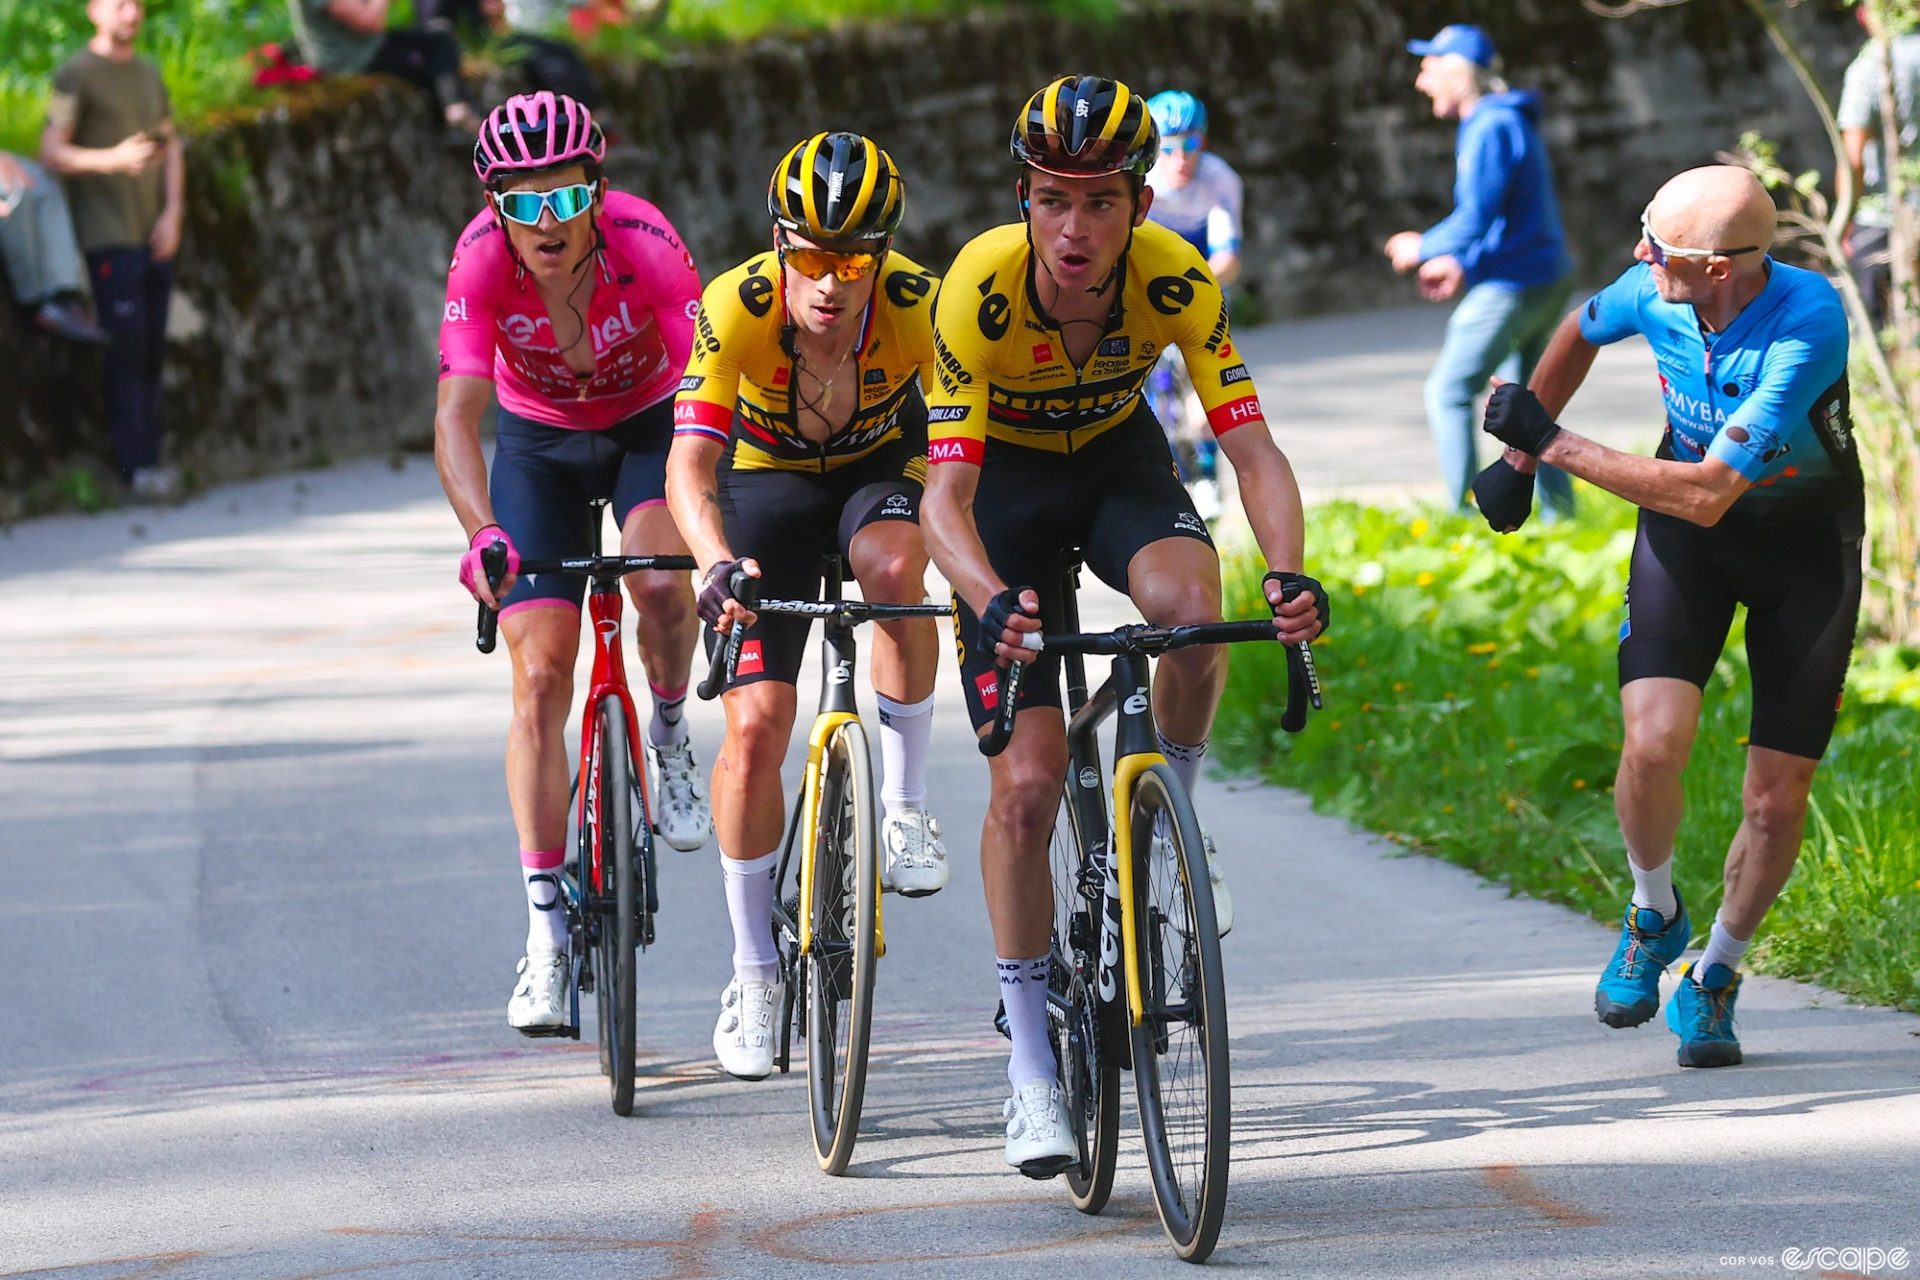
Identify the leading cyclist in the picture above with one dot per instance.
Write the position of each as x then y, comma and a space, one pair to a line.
1040, 440
805, 380
1197, 195
577, 304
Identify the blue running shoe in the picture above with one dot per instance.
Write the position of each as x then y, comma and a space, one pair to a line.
1629, 990
1701, 1014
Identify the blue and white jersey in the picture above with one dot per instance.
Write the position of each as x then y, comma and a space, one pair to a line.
1767, 396
1205, 212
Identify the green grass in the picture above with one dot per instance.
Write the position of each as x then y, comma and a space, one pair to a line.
1473, 713
201, 45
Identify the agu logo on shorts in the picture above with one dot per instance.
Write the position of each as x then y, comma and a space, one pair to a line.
988, 682
752, 661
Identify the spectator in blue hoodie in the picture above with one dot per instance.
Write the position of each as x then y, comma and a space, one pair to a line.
1502, 244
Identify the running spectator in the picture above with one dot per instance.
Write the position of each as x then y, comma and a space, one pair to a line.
1866, 238
350, 37
110, 136
1502, 244
44, 266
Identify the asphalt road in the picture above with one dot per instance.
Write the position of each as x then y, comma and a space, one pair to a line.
261, 911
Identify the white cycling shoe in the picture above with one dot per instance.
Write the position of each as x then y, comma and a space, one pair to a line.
681, 813
1039, 1131
743, 1037
1222, 896
915, 864
539, 1001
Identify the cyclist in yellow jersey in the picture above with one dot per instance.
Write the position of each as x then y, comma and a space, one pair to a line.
1039, 440
799, 432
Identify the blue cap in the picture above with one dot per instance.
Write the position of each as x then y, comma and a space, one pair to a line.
1463, 38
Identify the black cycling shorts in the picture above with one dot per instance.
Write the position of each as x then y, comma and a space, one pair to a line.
791, 521
545, 477
1800, 582
1109, 500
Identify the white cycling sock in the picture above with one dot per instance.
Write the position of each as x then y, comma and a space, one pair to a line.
1722, 948
668, 728
905, 729
1655, 888
546, 917
1023, 989
1184, 759
750, 908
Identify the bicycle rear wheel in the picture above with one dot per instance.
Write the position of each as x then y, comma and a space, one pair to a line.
613, 920
839, 962
1180, 1060
1092, 1087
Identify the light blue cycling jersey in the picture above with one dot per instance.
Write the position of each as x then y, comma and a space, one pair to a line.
1206, 212
1767, 396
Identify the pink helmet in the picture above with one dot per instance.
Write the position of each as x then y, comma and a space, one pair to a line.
534, 131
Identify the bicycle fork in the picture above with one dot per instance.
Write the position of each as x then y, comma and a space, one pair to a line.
837, 707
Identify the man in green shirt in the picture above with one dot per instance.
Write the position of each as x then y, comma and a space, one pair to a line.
110, 136
350, 37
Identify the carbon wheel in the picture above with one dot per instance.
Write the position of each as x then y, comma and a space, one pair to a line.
838, 967
1092, 1086
613, 918
1180, 1058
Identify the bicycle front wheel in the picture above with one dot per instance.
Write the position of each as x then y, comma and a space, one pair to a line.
1180, 1060
839, 964
614, 936
1092, 1086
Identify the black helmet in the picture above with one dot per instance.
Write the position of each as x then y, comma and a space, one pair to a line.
1084, 127
837, 186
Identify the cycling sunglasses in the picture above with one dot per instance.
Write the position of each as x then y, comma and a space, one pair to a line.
1179, 142
817, 264
525, 207
1659, 250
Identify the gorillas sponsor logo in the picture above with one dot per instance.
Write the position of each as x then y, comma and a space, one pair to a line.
953, 374
1119, 346
1236, 374
691, 382
756, 295
1217, 339
906, 288
703, 328
947, 413
874, 377
995, 312
1170, 295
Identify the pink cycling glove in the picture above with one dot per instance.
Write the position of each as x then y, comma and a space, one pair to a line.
472, 571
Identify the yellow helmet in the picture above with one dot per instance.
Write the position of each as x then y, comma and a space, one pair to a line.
837, 186
1086, 126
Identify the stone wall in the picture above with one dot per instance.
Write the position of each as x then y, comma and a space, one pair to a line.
319, 231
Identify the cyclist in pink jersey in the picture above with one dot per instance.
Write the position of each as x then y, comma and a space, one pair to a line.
575, 306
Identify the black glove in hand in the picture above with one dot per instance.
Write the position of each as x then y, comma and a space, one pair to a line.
1292, 584
1517, 419
1505, 495
716, 590
993, 623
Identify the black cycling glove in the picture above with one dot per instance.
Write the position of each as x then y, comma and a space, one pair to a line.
1505, 495
1292, 584
1517, 419
716, 591
993, 622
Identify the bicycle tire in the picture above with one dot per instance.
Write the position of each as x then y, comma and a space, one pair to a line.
616, 948
839, 964
1092, 1088
1180, 1052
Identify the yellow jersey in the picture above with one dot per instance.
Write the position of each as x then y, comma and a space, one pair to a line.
739, 382
1001, 366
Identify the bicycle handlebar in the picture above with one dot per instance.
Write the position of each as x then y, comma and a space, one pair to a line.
493, 558
726, 654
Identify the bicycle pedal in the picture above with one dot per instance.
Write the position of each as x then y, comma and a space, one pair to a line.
1046, 1168
550, 1033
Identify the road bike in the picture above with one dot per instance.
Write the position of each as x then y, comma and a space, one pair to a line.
829, 930
608, 887
1136, 980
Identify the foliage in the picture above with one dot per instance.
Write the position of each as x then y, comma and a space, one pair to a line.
1473, 713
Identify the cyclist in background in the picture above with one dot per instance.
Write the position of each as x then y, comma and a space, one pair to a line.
1197, 195
576, 304
805, 383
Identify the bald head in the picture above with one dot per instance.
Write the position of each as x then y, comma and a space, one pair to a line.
1718, 206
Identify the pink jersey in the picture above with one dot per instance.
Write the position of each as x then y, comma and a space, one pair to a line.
497, 326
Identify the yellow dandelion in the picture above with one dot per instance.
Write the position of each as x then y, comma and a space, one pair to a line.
1366, 706
1511, 804
1359, 590
1399, 686
1533, 673
1511, 744
1579, 784
1419, 527
1484, 647
1359, 659
1491, 664
1741, 740
1334, 726
1446, 808
1448, 695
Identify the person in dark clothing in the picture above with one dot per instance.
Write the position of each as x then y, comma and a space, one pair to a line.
550, 64
43, 262
350, 37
